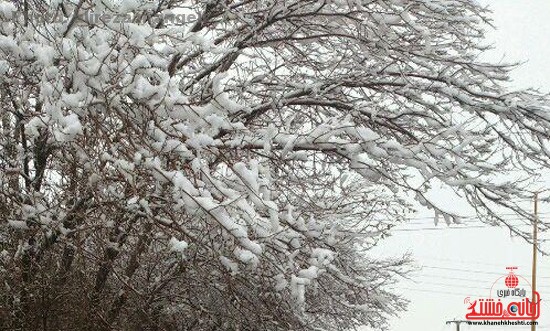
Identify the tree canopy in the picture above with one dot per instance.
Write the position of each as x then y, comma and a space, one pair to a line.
231, 173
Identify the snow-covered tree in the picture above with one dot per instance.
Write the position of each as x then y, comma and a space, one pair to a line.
232, 172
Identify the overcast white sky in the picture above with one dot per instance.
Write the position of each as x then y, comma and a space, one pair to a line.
466, 256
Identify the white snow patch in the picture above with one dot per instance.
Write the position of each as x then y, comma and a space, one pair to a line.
177, 245
230, 265
19, 225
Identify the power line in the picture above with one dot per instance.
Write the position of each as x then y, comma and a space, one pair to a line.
460, 286
477, 224
468, 262
456, 278
471, 271
461, 294
440, 292
447, 277
440, 229
453, 286
471, 217
474, 221
425, 229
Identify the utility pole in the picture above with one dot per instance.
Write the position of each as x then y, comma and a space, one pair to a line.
534, 271
457, 323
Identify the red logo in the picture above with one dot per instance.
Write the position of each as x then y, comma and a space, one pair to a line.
511, 280
508, 302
